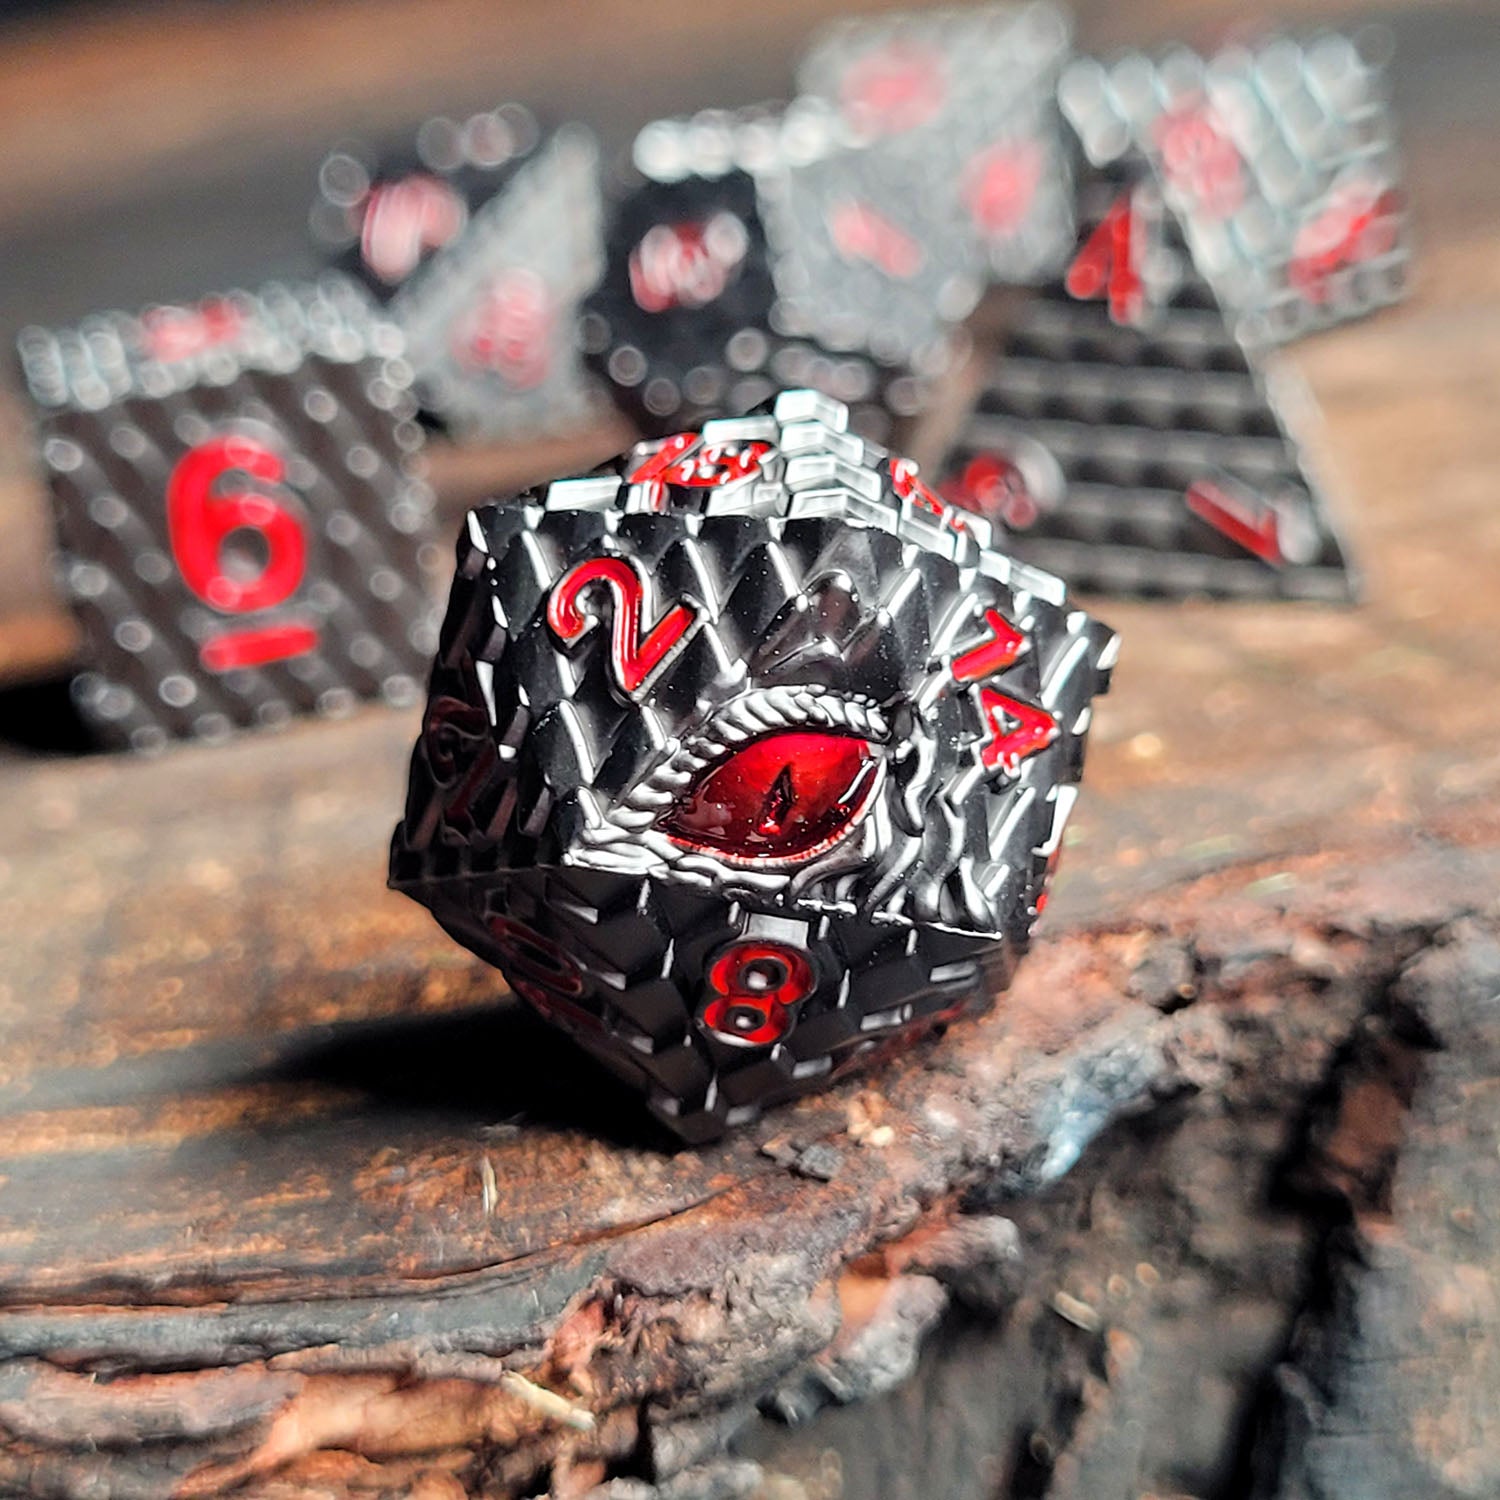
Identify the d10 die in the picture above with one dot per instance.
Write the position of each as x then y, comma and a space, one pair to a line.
687, 322
1281, 162
242, 527
745, 757
681, 322
383, 215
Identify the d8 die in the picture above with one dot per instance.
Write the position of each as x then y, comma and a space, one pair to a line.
383, 215
491, 324
868, 248
243, 530
746, 757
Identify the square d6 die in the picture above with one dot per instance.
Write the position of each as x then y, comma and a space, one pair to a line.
243, 529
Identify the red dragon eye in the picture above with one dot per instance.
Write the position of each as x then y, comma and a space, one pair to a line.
788, 795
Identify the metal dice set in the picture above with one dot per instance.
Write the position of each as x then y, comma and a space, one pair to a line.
746, 756
1156, 226
1151, 226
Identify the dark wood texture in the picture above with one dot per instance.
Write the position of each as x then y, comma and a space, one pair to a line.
293, 1199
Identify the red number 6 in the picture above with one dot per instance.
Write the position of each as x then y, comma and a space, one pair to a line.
199, 521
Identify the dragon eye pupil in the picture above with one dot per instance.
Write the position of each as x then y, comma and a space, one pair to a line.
784, 796
780, 801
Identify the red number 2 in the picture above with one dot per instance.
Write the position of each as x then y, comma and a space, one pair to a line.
635, 656
200, 521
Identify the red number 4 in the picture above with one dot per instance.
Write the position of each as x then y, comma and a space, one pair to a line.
1014, 731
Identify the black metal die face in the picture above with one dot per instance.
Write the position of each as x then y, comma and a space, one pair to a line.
1127, 439
746, 757
382, 216
242, 531
681, 323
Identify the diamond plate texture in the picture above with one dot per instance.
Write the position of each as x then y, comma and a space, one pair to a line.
1280, 160
243, 528
688, 322
961, 104
868, 247
832, 599
1155, 457
491, 323
381, 215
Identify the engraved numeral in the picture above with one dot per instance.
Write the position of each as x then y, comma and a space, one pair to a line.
754, 986
542, 973
993, 655
200, 521
636, 655
709, 468
1015, 731
1109, 262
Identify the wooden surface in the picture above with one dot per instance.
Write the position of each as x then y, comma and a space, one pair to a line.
290, 1196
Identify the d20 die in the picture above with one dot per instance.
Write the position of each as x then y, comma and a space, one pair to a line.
966, 99
491, 324
1280, 160
382, 215
746, 757
243, 530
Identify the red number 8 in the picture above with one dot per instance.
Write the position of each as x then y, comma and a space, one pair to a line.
199, 521
755, 986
